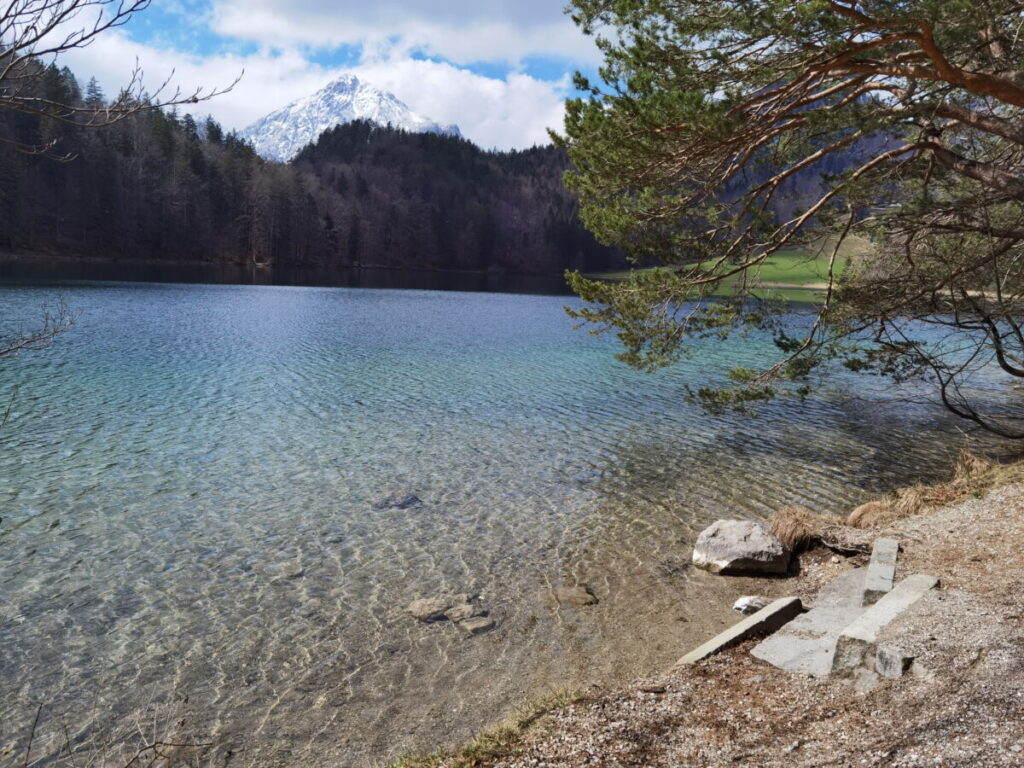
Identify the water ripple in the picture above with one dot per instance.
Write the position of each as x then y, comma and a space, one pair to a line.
188, 535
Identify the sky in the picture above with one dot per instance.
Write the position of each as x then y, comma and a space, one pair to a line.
499, 69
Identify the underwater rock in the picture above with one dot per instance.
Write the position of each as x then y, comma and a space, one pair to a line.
430, 609
397, 501
463, 612
477, 625
581, 594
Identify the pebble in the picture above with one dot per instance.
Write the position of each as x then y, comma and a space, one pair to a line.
578, 595
476, 626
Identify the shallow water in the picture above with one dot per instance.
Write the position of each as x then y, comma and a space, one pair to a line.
189, 543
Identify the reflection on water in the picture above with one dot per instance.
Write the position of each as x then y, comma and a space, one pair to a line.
38, 269
189, 540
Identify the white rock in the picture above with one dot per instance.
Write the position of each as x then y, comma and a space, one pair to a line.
740, 546
750, 604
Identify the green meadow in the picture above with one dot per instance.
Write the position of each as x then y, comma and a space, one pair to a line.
791, 274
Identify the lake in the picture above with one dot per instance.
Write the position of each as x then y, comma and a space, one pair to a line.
192, 540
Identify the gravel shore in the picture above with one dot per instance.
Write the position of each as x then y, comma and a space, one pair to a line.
962, 706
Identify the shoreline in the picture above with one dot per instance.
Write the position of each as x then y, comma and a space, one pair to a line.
268, 267
733, 709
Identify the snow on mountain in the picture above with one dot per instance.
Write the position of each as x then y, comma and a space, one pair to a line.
281, 134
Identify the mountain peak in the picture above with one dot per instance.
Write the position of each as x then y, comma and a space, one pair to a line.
284, 132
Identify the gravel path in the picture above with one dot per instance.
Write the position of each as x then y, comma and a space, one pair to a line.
964, 705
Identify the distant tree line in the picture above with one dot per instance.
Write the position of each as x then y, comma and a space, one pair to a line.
161, 185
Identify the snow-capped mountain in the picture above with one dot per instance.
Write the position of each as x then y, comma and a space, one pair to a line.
281, 134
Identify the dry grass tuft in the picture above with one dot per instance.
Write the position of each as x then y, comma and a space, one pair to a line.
970, 465
796, 526
973, 475
906, 502
910, 501
871, 514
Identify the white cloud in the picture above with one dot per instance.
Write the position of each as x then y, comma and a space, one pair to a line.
461, 31
278, 43
505, 113
511, 113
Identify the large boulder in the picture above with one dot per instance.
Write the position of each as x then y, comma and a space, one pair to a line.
740, 547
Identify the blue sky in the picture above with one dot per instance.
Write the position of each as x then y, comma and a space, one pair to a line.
499, 69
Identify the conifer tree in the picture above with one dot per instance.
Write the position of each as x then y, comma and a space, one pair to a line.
912, 116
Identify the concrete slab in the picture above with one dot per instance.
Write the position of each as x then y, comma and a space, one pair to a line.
881, 570
857, 643
885, 550
768, 619
806, 645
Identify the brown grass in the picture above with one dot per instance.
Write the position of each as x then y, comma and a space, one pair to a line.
910, 501
973, 475
797, 526
970, 465
871, 514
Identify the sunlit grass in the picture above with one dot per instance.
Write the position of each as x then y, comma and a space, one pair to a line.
791, 274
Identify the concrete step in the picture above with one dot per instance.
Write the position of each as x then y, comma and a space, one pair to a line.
881, 570
807, 644
768, 619
857, 644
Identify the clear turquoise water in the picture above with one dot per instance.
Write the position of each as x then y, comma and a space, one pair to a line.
188, 539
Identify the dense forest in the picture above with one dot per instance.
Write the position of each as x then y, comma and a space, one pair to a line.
162, 186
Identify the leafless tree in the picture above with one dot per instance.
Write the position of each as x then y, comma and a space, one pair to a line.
54, 322
34, 33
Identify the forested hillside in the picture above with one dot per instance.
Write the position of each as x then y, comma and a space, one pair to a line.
407, 197
159, 186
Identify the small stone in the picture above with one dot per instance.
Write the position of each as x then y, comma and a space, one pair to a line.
397, 501
578, 595
652, 689
892, 662
289, 573
750, 604
921, 672
477, 625
835, 560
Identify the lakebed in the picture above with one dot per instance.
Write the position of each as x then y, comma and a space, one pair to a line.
194, 539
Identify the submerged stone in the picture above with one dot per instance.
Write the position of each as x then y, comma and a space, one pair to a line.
431, 609
578, 595
397, 501
477, 625
463, 612
740, 546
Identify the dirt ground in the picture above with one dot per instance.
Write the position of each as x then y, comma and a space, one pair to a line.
961, 705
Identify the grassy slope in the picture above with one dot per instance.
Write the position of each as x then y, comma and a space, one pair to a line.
790, 274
